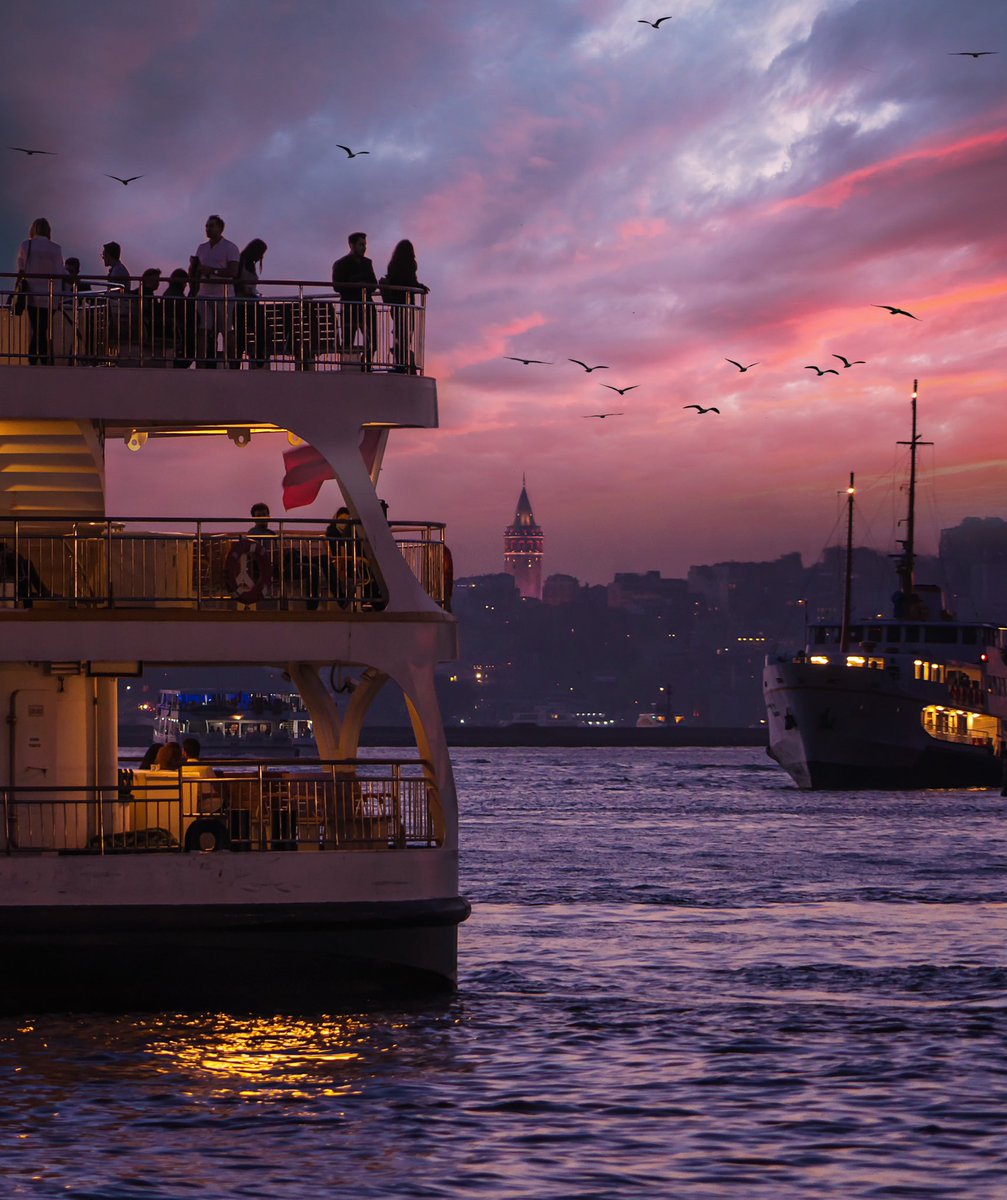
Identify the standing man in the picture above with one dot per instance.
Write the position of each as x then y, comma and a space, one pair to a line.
350, 276
216, 264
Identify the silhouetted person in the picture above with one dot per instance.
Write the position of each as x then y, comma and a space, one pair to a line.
72, 281
39, 255
180, 318
401, 273
216, 261
191, 750
249, 317
354, 280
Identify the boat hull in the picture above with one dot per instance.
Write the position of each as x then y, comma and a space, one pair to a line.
254, 957
833, 729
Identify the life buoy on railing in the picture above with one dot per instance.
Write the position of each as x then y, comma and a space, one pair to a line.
248, 570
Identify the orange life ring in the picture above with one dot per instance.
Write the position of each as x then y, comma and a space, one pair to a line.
248, 570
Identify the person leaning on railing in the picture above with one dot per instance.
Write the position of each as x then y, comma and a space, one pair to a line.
401, 275
40, 256
249, 317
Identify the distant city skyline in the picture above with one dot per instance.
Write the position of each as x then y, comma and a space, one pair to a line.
750, 184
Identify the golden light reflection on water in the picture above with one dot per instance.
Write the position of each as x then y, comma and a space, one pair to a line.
268, 1058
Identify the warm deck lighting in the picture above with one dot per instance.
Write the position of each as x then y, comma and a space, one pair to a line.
136, 439
855, 660
820, 660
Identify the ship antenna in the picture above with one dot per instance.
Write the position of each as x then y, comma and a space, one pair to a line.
844, 637
906, 564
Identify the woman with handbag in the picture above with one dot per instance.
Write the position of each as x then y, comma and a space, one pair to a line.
39, 256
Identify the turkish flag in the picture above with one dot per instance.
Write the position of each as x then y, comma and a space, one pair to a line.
306, 471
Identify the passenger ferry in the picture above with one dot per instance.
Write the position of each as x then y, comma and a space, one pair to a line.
249, 883
234, 722
915, 700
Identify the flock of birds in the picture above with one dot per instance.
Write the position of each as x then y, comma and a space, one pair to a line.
742, 368
130, 178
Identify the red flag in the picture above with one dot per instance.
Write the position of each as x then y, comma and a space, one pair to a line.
306, 471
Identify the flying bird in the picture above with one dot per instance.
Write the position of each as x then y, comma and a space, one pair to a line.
526, 361
827, 371
973, 53
351, 153
601, 416
121, 180
654, 24
23, 150
621, 391
699, 408
896, 312
848, 363
600, 367
739, 366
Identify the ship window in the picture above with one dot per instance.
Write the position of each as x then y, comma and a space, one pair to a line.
942, 634
969, 636
911, 633
873, 633
893, 633
856, 633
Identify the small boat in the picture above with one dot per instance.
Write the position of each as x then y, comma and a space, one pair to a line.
914, 700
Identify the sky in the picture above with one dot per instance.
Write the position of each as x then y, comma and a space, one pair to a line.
749, 181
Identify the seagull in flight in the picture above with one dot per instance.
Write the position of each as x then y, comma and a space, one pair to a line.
739, 366
600, 367
621, 391
654, 24
973, 53
23, 150
601, 416
526, 361
121, 180
896, 312
848, 363
700, 409
351, 153
827, 371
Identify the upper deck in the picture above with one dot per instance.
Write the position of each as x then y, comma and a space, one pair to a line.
267, 364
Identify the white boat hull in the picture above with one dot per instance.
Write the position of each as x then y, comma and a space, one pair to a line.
841, 728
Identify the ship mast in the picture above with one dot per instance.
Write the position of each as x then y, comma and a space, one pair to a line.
844, 637
905, 566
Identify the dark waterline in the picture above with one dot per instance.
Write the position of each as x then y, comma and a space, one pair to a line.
682, 978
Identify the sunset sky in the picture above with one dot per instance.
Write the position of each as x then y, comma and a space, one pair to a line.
747, 181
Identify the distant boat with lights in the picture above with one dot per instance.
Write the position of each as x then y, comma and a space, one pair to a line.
244, 882
234, 722
915, 700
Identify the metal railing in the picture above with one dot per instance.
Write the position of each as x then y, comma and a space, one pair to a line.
337, 804
207, 564
288, 326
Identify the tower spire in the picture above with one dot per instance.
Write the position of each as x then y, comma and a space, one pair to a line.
524, 549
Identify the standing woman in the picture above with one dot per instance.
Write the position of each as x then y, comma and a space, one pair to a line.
41, 256
249, 318
401, 273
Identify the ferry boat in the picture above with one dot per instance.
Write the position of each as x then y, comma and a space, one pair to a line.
252, 883
915, 700
235, 722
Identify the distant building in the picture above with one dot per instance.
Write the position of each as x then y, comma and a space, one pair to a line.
524, 549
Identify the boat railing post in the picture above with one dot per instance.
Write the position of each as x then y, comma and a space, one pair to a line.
281, 565
108, 562
265, 820
99, 794
7, 831
199, 564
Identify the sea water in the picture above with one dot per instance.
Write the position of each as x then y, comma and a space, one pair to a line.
682, 977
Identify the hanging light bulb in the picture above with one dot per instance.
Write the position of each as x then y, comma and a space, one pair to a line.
137, 439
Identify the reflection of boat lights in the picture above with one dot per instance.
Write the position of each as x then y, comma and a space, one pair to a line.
273, 1058
820, 660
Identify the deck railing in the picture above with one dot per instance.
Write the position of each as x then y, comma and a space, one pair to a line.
337, 804
289, 326
205, 564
